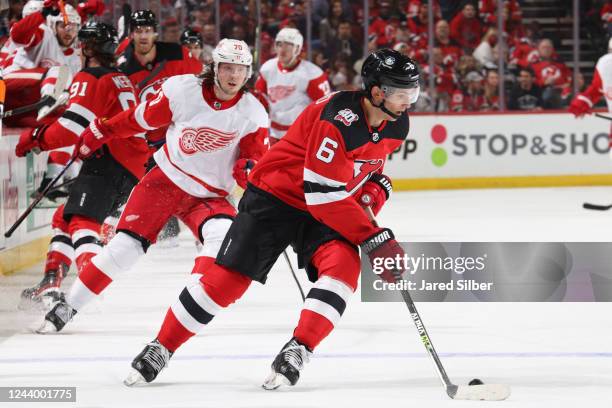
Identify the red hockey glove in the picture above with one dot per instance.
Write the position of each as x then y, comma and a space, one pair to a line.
29, 141
375, 192
579, 107
242, 168
90, 7
92, 139
50, 7
381, 246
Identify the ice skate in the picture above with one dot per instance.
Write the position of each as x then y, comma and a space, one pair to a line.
287, 365
46, 293
57, 318
148, 364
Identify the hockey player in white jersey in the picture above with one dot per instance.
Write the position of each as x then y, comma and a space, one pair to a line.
45, 45
601, 85
289, 82
217, 131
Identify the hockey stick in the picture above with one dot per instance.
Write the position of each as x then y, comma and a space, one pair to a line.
478, 391
295, 278
597, 207
33, 204
599, 115
27, 108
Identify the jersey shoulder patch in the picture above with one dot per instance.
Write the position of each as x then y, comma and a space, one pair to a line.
345, 113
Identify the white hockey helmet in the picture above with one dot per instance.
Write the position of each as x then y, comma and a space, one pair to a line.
291, 36
32, 7
232, 51
73, 18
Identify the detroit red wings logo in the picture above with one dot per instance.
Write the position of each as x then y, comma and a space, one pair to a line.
346, 116
280, 92
205, 140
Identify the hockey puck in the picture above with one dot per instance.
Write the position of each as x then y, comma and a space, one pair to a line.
476, 381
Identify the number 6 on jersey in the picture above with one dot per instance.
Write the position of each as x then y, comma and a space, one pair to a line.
327, 150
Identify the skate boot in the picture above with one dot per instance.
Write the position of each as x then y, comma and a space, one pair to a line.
287, 365
148, 364
57, 318
46, 293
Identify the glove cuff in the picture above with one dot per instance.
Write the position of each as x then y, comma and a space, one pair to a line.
379, 238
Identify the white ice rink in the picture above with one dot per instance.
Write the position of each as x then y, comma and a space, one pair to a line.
552, 354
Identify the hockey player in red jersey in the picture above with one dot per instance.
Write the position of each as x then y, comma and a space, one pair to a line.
106, 178
307, 192
289, 83
217, 131
45, 45
601, 85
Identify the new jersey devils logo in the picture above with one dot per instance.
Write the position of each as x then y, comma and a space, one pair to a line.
361, 172
205, 140
280, 92
346, 116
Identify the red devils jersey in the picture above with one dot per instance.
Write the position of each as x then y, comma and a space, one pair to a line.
325, 157
99, 92
170, 60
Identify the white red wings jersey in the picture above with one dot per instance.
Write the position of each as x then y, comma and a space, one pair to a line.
176, 60
601, 84
289, 91
38, 47
99, 92
325, 157
205, 136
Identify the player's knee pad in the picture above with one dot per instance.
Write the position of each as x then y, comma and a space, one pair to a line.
223, 285
338, 260
119, 255
212, 233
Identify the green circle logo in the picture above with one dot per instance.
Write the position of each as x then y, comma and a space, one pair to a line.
439, 156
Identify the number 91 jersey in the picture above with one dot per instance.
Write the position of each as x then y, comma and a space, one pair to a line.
100, 92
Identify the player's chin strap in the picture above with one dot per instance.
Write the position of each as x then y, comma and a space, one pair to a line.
383, 108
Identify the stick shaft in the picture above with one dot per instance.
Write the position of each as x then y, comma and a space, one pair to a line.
33, 204
295, 278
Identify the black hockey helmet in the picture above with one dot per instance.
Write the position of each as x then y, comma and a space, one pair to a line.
390, 71
143, 18
190, 36
101, 38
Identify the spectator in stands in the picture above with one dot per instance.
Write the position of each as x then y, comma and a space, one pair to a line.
341, 74
466, 28
606, 17
467, 63
449, 48
417, 26
525, 94
484, 52
329, 26
491, 91
202, 15
171, 31
445, 79
385, 25
488, 11
411, 8
344, 43
552, 75
471, 97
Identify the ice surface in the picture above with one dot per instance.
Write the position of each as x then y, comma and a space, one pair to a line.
552, 354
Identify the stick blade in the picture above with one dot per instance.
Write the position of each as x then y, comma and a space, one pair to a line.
596, 207
484, 392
